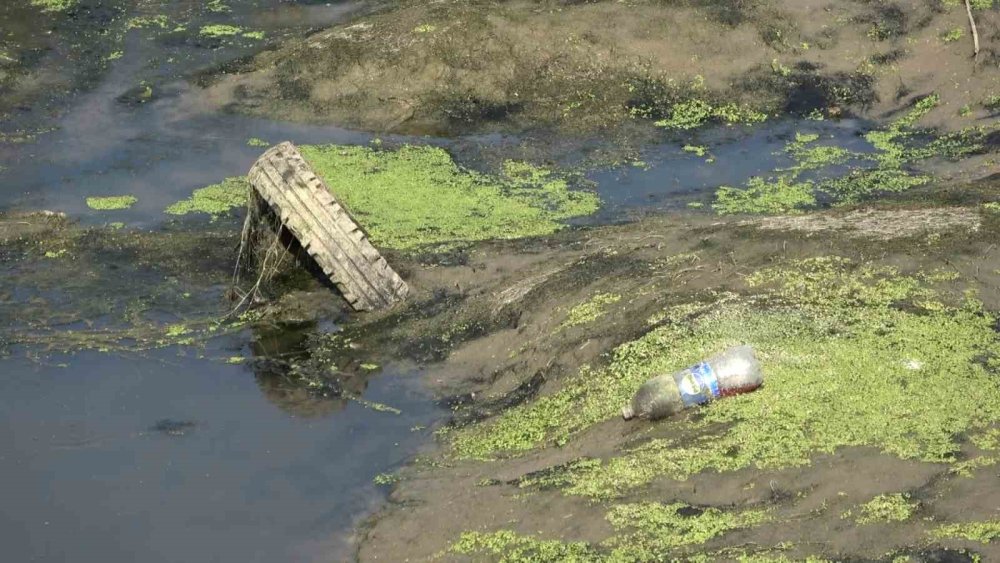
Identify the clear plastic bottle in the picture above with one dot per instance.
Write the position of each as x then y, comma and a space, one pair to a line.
732, 372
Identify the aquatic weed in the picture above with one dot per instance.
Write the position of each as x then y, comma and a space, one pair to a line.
111, 203
894, 150
418, 196
510, 547
216, 199
695, 113
220, 30
844, 365
590, 310
895, 507
649, 531
982, 532
53, 5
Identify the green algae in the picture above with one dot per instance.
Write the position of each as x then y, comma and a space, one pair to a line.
220, 30
845, 365
696, 113
111, 203
417, 196
982, 532
143, 22
649, 531
952, 35
217, 7
895, 507
509, 547
770, 196
53, 5
885, 169
590, 310
216, 199
988, 440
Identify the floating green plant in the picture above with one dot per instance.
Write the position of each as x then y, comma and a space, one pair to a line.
886, 169
649, 531
510, 547
216, 199
111, 203
982, 532
220, 30
695, 113
895, 507
417, 196
53, 5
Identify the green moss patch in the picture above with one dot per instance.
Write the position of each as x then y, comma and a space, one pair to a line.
111, 203
845, 365
417, 196
216, 199
886, 169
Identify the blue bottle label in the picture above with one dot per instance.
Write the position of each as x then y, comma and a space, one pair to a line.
697, 384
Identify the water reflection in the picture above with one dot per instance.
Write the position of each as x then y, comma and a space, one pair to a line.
293, 376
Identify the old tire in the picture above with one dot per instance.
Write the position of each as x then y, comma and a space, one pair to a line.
325, 229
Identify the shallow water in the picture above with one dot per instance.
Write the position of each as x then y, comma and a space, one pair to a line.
100, 465
167, 457
669, 177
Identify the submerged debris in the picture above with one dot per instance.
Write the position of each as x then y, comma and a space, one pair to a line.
308, 210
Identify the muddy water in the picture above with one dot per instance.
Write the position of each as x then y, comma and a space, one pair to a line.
182, 457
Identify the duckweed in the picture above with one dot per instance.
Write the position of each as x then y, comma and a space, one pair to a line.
695, 113
982, 532
111, 203
895, 507
647, 531
220, 30
216, 199
652, 530
884, 170
771, 196
844, 364
141, 22
417, 196
509, 547
590, 310
53, 5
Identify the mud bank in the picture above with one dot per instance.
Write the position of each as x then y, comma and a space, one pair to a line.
442, 67
540, 341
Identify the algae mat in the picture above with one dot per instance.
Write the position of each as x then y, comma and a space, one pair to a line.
417, 197
855, 355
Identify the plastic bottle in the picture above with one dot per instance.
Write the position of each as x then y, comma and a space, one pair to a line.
732, 372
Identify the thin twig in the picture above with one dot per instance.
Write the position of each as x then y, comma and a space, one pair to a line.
975, 32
